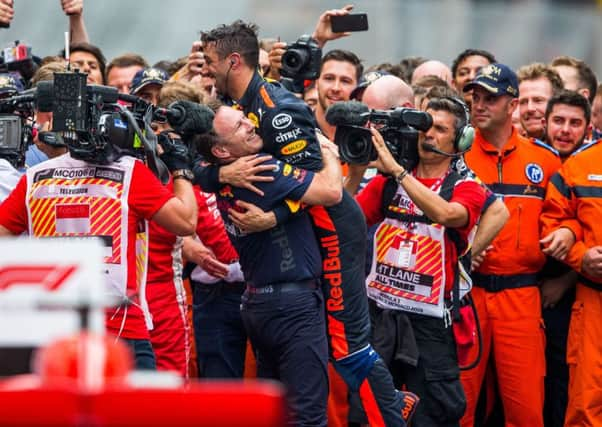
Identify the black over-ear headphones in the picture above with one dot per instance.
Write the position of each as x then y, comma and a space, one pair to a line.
464, 132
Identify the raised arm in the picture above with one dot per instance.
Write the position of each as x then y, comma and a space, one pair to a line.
74, 9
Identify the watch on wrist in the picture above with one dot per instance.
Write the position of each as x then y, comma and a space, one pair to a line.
183, 174
401, 176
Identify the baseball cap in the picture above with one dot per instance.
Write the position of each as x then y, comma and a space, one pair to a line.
366, 80
148, 76
498, 79
9, 85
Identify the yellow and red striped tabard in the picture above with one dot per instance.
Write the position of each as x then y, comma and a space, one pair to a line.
72, 198
408, 269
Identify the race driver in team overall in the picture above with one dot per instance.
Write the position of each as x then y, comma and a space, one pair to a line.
287, 128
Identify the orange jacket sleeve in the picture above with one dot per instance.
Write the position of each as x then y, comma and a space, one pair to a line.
560, 210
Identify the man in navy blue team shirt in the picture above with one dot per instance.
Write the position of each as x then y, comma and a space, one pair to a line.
282, 307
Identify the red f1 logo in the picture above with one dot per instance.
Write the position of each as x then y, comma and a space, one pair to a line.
51, 277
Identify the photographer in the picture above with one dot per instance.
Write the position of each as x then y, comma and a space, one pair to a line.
97, 190
414, 266
322, 34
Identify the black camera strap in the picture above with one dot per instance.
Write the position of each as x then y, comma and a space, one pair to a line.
149, 140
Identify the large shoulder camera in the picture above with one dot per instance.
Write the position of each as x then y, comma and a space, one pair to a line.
15, 137
90, 120
16, 114
302, 59
93, 123
399, 128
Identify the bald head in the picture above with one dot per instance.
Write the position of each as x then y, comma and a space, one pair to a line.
388, 92
432, 68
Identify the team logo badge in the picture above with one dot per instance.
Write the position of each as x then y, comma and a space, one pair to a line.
226, 192
286, 171
281, 121
294, 147
534, 173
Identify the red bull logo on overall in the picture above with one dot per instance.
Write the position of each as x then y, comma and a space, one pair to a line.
332, 273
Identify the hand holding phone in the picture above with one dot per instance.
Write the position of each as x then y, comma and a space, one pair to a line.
323, 32
348, 23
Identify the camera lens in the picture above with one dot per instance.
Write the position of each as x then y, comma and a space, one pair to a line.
294, 60
10, 132
357, 147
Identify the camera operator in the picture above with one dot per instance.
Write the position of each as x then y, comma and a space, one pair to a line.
387, 92
287, 128
415, 257
110, 197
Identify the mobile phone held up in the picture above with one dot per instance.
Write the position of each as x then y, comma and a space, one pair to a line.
347, 23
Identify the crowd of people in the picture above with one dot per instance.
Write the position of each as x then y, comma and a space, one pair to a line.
451, 278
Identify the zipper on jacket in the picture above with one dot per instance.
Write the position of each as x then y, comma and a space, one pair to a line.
499, 167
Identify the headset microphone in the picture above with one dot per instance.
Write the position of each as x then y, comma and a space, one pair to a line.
430, 147
464, 134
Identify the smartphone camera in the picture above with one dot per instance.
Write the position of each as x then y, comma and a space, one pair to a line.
349, 23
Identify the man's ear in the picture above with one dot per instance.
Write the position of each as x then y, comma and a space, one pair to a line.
513, 104
220, 152
234, 60
585, 92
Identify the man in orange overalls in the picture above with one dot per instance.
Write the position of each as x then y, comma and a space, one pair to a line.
574, 201
506, 295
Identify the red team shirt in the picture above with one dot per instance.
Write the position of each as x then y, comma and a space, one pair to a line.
210, 228
161, 246
147, 195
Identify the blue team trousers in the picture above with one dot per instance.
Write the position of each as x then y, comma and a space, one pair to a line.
287, 329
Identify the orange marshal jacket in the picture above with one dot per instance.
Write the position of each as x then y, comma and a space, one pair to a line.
574, 200
519, 173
